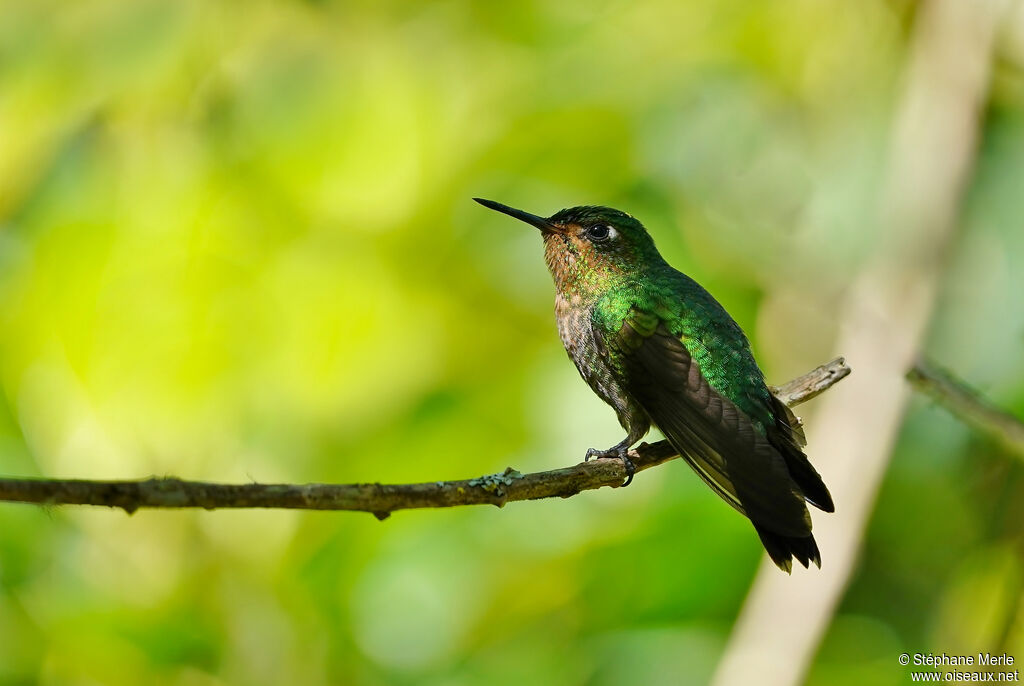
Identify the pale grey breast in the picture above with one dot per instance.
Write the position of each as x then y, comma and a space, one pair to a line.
577, 334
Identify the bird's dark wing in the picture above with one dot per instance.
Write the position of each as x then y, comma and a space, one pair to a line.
787, 436
711, 433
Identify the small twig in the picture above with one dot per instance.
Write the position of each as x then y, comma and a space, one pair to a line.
813, 383
379, 499
968, 405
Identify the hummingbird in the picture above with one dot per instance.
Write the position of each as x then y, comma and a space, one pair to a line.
656, 346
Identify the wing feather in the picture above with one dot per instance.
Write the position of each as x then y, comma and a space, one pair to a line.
712, 434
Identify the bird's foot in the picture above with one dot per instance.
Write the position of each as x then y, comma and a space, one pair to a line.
620, 451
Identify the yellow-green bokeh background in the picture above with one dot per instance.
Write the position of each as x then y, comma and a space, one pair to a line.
237, 243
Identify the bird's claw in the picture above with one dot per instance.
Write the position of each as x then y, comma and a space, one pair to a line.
619, 451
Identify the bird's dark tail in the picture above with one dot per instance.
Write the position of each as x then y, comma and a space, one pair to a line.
782, 549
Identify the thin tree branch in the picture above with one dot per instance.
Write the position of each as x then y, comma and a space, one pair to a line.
379, 499
967, 405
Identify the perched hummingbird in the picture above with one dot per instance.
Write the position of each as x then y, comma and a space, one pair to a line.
657, 347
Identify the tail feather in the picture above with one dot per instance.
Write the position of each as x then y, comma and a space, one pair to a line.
782, 549
810, 483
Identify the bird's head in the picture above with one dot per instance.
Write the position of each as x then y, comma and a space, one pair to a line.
589, 249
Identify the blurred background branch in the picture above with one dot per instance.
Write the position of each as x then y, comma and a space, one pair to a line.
884, 319
376, 498
968, 405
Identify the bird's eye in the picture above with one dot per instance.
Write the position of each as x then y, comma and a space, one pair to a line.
599, 232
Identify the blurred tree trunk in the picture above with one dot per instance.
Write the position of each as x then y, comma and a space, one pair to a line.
884, 318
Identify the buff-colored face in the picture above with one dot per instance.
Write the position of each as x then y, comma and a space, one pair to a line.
586, 257
595, 250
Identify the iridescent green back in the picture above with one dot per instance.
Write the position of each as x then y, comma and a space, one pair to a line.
712, 337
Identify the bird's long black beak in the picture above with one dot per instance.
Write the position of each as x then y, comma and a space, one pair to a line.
531, 219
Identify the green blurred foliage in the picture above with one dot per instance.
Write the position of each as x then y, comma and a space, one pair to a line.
236, 243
